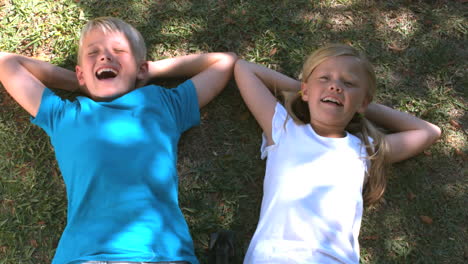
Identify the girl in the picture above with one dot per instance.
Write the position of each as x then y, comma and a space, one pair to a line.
325, 158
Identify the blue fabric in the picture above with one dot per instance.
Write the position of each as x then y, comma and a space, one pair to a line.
118, 161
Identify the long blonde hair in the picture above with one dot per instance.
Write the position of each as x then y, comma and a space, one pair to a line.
359, 126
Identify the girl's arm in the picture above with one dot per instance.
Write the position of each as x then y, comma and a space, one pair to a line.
210, 72
25, 79
410, 136
257, 84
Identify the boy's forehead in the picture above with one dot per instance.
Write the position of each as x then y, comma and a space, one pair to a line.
98, 35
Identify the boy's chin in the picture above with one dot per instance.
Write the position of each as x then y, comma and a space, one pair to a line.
107, 95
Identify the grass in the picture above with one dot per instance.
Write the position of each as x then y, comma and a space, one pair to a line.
418, 48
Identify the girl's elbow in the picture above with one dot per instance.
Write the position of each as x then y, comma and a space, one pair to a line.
435, 133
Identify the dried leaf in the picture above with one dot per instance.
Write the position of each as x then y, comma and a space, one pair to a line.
455, 124
426, 219
395, 48
461, 154
244, 116
371, 238
33, 243
273, 51
411, 196
427, 153
428, 22
228, 20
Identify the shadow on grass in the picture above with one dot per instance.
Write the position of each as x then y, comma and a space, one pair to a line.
220, 172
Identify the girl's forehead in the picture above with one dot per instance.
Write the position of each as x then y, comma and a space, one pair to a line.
350, 62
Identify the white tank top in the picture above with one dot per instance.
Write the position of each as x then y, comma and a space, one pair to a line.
312, 203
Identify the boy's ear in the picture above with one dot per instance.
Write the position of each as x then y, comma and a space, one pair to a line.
143, 71
79, 75
304, 93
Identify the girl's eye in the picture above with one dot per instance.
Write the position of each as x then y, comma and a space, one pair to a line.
119, 50
323, 78
93, 52
349, 84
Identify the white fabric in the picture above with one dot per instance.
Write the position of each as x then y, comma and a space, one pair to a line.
312, 203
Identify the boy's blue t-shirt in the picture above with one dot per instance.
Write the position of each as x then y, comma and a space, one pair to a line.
118, 161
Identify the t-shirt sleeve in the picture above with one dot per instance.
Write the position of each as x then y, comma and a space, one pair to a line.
277, 129
50, 110
183, 104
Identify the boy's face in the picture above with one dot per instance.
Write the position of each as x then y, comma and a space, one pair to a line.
108, 68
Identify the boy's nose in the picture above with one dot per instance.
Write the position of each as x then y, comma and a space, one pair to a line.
106, 58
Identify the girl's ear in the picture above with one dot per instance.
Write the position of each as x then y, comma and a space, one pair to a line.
365, 103
304, 92
79, 75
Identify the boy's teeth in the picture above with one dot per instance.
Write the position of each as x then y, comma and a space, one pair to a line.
107, 70
105, 73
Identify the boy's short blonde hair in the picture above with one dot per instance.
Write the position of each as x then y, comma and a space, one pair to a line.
112, 24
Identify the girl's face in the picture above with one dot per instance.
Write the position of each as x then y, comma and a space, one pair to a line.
335, 90
108, 67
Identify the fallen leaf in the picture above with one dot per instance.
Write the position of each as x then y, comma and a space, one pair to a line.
411, 196
395, 48
427, 153
455, 124
244, 116
426, 219
428, 22
33, 243
273, 51
461, 154
228, 20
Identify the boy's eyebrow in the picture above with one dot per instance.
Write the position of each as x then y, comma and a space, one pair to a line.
97, 42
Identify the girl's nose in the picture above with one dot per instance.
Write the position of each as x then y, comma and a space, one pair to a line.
336, 87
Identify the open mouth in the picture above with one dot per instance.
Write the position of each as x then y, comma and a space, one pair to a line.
106, 73
331, 101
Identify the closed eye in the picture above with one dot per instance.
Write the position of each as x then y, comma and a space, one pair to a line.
323, 78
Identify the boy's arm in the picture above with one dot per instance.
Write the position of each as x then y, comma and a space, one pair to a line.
25, 79
209, 72
410, 135
257, 85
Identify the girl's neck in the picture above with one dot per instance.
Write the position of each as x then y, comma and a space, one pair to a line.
328, 131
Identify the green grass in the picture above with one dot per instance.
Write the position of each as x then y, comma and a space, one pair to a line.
418, 48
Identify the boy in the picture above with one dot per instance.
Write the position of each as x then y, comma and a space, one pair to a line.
117, 149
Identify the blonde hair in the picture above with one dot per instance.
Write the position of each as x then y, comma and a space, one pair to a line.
359, 126
112, 24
